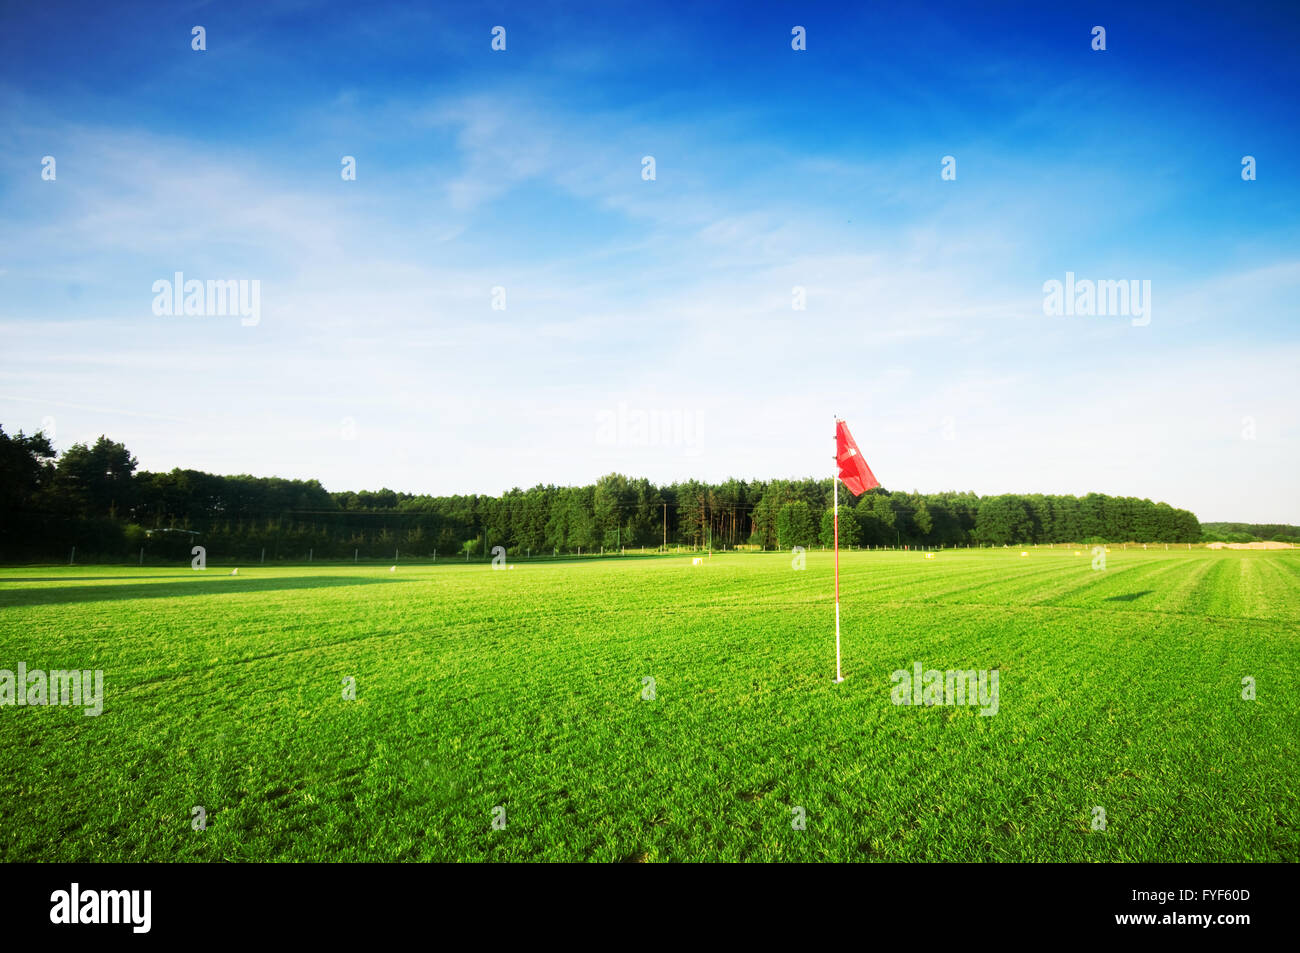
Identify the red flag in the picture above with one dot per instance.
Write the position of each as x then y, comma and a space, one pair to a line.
855, 473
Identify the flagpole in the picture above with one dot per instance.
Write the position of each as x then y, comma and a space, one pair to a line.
835, 483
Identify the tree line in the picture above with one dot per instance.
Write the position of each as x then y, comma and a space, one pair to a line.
94, 497
1250, 532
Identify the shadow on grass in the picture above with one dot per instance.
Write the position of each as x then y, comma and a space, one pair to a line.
1129, 596
177, 575
222, 585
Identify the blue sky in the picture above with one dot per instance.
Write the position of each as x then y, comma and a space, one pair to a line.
379, 360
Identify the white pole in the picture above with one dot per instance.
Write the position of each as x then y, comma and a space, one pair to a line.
835, 482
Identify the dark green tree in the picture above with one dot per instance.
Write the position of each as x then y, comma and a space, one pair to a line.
849, 531
794, 525
98, 478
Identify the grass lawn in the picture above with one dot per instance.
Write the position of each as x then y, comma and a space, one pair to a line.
479, 690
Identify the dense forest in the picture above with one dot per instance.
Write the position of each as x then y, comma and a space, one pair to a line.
94, 498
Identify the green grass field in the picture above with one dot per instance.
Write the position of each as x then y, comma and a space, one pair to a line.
522, 689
